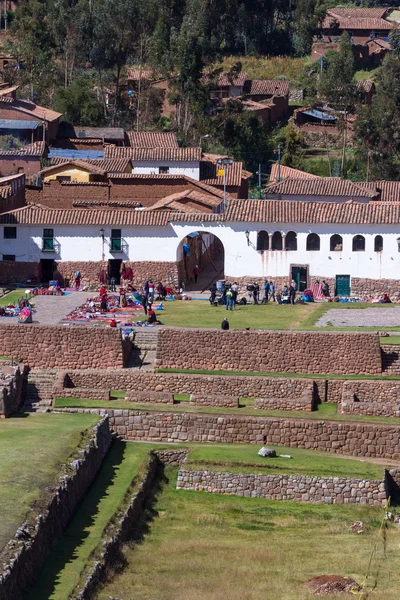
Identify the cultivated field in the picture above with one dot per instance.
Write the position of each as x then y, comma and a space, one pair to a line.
205, 546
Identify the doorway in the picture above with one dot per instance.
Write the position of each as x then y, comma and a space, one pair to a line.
114, 269
46, 269
300, 276
342, 285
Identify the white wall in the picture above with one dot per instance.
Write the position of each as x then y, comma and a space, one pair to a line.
191, 169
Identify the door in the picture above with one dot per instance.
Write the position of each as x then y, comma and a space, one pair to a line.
342, 285
114, 266
300, 275
46, 269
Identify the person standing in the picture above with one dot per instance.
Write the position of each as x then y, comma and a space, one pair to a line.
229, 299
151, 291
256, 292
213, 292
196, 273
266, 290
272, 291
235, 291
292, 293
325, 289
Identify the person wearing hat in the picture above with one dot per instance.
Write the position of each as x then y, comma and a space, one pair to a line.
225, 325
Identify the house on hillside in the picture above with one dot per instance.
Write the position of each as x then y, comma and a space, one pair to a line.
152, 139
320, 189
76, 137
237, 178
12, 194
73, 171
27, 159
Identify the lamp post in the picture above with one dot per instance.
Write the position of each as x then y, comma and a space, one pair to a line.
102, 245
247, 234
204, 137
224, 162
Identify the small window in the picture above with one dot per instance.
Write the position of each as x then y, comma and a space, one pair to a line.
277, 241
163, 170
20, 170
262, 240
291, 240
313, 242
63, 178
48, 240
378, 245
9, 257
48, 233
10, 233
115, 240
358, 243
336, 243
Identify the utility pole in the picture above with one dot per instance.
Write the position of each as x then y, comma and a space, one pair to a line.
259, 175
224, 162
279, 163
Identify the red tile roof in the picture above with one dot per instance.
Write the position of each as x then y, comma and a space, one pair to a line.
164, 179
390, 190
209, 172
322, 186
286, 172
259, 87
354, 18
358, 13
154, 154
111, 165
81, 164
152, 139
30, 108
365, 85
174, 199
225, 79
34, 149
135, 74
286, 211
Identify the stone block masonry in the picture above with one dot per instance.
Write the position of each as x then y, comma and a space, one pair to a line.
224, 401
54, 346
355, 439
303, 404
149, 396
269, 351
88, 393
12, 394
300, 488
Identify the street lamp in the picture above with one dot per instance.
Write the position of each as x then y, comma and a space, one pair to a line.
204, 137
247, 234
102, 244
224, 162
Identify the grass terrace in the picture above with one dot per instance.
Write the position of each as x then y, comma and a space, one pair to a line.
32, 450
203, 545
13, 297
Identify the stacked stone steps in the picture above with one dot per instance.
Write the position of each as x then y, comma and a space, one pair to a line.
146, 339
145, 344
39, 390
390, 359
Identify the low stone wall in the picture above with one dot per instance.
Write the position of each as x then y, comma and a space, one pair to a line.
269, 351
149, 396
224, 401
355, 439
303, 404
300, 488
56, 346
11, 394
25, 554
373, 391
349, 406
89, 393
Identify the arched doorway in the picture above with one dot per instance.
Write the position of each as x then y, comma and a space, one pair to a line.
205, 250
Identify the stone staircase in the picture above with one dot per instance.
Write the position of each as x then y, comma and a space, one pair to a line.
390, 359
143, 356
38, 390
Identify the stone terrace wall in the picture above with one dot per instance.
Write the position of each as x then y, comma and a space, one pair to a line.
349, 406
355, 439
229, 385
302, 404
88, 393
224, 401
149, 396
299, 352
24, 556
300, 488
11, 395
52, 346
18, 272
373, 391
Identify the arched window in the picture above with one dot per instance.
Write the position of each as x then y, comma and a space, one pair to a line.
277, 241
358, 243
262, 240
313, 242
336, 243
291, 240
378, 245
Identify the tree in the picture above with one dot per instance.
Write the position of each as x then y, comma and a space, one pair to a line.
394, 39
293, 144
78, 103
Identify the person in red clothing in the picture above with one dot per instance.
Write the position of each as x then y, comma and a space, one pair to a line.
102, 290
113, 323
196, 273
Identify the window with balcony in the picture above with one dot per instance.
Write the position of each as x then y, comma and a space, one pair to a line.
48, 240
116, 240
10, 233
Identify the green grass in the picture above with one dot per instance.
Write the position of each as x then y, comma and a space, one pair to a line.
326, 411
32, 450
70, 555
366, 74
243, 458
117, 394
13, 297
391, 340
214, 547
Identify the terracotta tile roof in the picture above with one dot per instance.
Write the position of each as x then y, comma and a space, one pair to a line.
365, 85
106, 204
225, 80
286, 211
136, 74
30, 108
390, 190
5, 191
353, 18
6, 99
152, 139
34, 149
269, 87
8, 90
164, 179
39, 215
81, 164
321, 186
206, 199
80, 133
286, 172
358, 13
209, 170
112, 165
154, 154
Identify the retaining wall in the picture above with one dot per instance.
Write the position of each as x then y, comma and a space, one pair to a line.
303, 404
11, 395
300, 488
355, 439
55, 346
270, 351
149, 396
224, 401
25, 554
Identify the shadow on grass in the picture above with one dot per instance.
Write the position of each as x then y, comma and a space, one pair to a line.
65, 548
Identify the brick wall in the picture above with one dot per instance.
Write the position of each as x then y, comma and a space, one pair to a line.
52, 346
354, 439
300, 488
269, 351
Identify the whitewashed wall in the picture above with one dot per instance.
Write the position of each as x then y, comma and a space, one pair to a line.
191, 169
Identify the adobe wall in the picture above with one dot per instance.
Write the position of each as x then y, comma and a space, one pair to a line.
18, 272
300, 488
269, 351
179, 383
55, 346
24, 555
355, 439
